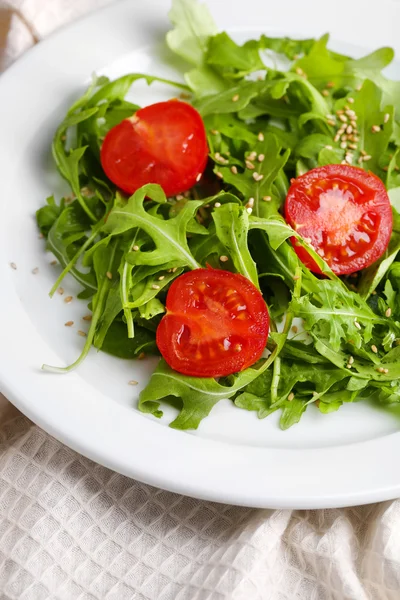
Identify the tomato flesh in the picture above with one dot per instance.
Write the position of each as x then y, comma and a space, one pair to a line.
216, 324
344, 213
164, 143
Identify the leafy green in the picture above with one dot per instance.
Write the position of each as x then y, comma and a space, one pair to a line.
273, 108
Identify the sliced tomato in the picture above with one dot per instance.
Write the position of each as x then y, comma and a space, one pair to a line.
216, 324
164, 143
344, 213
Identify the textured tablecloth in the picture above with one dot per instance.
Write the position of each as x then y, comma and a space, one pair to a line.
71, 529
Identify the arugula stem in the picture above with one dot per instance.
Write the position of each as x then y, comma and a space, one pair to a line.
99, 303
76, 257
275, 379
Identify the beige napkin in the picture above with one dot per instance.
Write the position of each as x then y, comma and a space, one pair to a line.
73, 530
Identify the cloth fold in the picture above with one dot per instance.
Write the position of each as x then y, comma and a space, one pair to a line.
73, 530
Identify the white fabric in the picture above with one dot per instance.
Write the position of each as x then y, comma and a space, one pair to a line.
73, 530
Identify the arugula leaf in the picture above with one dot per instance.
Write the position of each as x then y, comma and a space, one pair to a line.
232, 225
367, 106
117, 344
233, 61
287, 46
198, 394
169, 236
194, 26
345, 315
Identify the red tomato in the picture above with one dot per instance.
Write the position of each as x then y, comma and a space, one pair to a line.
344, 213
164, 143
216, 324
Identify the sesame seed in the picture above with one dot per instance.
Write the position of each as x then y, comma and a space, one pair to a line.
337, 137
257, 176
290, 397
331, 122
367, 157
250, 203
343, 118
374, 348
388, 312
109, 275
349, 158
350, 113
249, 165
350, 100
386, 371
351, 360
133, 382
217, 204
386, 118
348, 366
363, 153
299, 71
260, 137
60, 291
340, 112
353, 123
353, 146
13, 266
294, 329
87, 318
155, 286
221, 159
252, 155
69, 324
214, 131
330, 84
198, 177
174, 270
234, 170
81, 333
344, 138
358, 88
68, 299
249, 210
329, 147
141, 356
238, 347
360, 159
219, 175
223, 258
349, 129
53, 262
357, 324
260, 157
161, 277
325, 93
235, 98
375, 128
267, 198
343, 145
35, 270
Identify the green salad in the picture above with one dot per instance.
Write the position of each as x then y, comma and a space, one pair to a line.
334, 336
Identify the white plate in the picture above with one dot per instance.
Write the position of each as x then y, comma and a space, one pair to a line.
327, 460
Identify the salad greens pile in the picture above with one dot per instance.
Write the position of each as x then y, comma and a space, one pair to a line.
265, 123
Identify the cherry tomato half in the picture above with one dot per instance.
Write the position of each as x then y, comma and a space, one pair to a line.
164, 143
216, 324
344, 212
